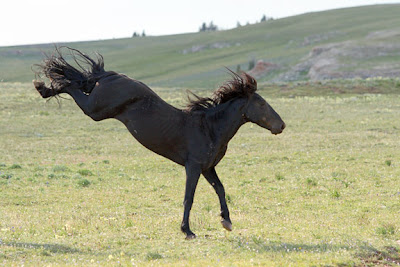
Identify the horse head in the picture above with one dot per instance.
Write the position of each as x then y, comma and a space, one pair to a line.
257, 110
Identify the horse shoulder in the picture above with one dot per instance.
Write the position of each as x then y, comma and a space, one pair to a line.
200, 139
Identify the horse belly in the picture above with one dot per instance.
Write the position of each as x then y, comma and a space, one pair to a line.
165, 143
167, 149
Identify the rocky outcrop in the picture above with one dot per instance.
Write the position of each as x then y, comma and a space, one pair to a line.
346, 60
262, 68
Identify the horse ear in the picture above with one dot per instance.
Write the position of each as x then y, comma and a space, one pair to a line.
250, 83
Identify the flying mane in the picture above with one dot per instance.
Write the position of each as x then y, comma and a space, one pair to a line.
240, 86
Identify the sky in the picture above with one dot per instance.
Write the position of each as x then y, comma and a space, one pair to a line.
50, 21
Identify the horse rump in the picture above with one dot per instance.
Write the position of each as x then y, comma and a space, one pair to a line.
83, 75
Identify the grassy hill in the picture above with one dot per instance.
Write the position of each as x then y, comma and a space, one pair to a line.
342, 43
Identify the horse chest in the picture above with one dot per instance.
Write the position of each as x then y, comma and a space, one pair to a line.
214, 156
220, 154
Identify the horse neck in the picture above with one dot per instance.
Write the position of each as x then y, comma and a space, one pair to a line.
226, 119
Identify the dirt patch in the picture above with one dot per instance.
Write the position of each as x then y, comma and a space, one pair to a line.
347, 60
320, 37
385, 34
202, 47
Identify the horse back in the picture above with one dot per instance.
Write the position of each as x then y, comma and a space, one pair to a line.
113, 83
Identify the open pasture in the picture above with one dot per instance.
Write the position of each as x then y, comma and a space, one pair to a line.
324, 192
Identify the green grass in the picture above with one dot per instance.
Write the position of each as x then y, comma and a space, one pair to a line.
325, 192
160, 61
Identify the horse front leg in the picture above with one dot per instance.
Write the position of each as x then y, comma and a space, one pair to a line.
212, 177
192, 178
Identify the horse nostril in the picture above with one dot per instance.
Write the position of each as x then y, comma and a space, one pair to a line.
283, 126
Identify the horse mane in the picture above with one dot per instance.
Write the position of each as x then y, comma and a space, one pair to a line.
241, 85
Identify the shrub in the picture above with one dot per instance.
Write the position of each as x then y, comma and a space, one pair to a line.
335, 194
6, 176
387, 229
60, 168
15, 166
311, 182
279, 177
84, 182
85, 172
153, 256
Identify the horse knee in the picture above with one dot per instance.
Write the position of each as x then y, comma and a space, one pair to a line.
89, 110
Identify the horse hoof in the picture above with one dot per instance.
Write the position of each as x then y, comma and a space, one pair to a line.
38, 84
227, 225
190, 236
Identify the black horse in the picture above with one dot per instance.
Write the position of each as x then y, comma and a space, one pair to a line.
195, 137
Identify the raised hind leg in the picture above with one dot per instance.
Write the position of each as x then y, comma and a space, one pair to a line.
84, 101
43, 90
100, 104
87, 104
192, 178
212, 178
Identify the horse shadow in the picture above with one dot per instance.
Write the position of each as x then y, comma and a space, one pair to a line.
52, 248
261, 245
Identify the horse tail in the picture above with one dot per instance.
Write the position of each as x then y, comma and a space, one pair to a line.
83, 75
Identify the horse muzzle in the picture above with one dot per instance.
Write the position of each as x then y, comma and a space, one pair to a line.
278, 130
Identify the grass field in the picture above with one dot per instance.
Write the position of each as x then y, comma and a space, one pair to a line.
326, 192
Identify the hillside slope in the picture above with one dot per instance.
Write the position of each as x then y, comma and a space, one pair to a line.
351, 42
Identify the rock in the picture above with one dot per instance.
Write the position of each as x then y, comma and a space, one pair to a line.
262, 68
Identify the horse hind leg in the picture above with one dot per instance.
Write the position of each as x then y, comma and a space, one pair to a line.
47, 92
81, 99
43, 90
87, 103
